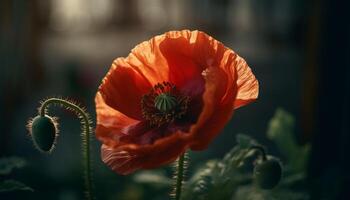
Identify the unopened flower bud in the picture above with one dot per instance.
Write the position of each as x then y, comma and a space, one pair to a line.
43, 131
268, 173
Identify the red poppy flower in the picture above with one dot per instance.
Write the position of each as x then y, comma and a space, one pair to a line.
173, 92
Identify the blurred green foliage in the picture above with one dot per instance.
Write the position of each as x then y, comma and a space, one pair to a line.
232, 176
7, 165
10, 163
13, 185
281, 132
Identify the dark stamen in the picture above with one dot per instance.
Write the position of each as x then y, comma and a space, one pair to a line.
164, 104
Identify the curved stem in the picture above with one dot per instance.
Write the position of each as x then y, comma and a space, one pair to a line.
261, 149
180, 169
85, 137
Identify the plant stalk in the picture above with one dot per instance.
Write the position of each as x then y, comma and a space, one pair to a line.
180, 170
86, 131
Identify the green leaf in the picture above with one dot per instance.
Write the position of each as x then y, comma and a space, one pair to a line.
281, 132
10, 163
217, 179
155, 177
231, 177
13, 185
197, 186
245, 141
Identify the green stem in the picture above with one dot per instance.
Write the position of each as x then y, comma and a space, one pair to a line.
180, 168
262, 151
85, 137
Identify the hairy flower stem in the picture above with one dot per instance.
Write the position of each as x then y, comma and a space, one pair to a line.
86, 130
179, 175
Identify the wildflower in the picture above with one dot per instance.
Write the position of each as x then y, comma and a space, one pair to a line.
172, 93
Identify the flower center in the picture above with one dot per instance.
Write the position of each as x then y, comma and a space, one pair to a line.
164, 104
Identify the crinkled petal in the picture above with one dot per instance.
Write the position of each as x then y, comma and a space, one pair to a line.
123, 88
188, 53
129, 158
184, 71
217, 110
147, 60
110, 122
169, 57
247, 84
241, 88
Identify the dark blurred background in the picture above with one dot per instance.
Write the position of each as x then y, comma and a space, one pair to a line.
299, 51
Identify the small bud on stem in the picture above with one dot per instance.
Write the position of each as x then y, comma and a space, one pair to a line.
43, 131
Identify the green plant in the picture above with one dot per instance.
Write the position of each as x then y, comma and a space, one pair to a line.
7, 165
232, 177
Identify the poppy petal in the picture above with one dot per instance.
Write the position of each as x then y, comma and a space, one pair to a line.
140, 133
215, 114
110, 122
123, 88
184, 72
122, 162
168, 57
129, 158
241, 89
147, 60
247, 84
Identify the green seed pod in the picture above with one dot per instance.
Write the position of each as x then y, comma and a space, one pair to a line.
165, 102
43, 130
268, 173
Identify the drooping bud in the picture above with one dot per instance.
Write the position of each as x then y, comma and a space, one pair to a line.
268, 173
43, 131
165, 102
